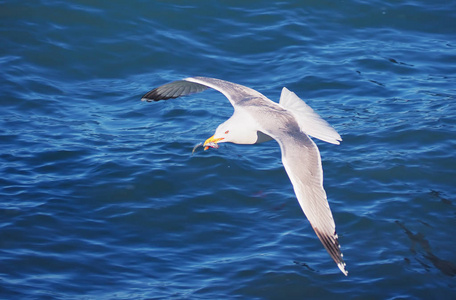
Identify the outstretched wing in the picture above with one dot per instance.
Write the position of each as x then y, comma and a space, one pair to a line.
301, 159
234, 92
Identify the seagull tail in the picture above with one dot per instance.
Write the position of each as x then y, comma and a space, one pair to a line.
309, 121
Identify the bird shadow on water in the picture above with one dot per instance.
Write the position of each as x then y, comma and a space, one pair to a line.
303, 264
418, 240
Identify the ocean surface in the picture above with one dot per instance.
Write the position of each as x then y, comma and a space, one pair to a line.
101, 197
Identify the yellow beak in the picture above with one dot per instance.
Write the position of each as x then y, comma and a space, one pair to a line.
212, 141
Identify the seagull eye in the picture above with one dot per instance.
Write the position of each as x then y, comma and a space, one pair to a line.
226, 132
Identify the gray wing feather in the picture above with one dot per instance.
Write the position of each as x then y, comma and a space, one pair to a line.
301, 159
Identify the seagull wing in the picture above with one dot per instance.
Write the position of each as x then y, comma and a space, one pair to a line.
235, 93
302, 162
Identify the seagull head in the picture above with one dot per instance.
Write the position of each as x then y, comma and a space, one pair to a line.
222, 134
239, 129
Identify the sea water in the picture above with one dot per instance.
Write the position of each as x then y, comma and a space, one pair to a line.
101, 197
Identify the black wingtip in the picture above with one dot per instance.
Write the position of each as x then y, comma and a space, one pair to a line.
173, 90
154, 95
331, 244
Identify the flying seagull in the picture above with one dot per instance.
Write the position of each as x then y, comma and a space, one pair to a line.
257, 119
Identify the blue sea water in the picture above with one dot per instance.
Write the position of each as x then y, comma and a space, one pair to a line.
102, 199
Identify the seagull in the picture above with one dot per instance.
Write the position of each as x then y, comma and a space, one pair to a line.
290, 122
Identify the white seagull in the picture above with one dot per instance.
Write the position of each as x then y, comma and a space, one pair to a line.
257, 119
